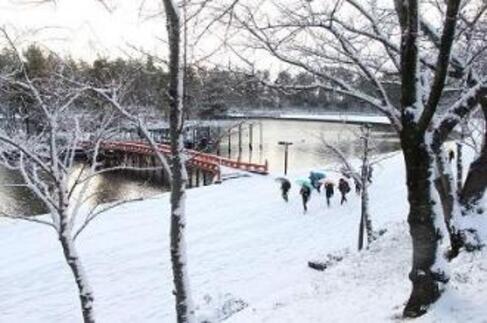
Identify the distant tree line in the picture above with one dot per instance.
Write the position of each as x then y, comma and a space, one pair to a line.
209, 92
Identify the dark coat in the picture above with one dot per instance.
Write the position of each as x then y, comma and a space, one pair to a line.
285, 186
305, 192
343, 186
329, 189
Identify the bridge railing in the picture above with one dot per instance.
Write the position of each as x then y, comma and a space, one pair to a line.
207, 161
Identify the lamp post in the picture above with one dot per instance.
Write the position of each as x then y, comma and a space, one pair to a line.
286, 145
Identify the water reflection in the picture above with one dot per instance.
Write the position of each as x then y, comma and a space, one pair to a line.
103, 188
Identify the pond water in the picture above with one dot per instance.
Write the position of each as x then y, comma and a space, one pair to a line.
307, 137
305, 153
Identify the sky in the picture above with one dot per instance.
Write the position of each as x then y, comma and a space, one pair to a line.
84, 28
87, 29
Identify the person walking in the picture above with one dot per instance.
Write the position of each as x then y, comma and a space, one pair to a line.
285, 187
329, 191
344, 188
315, 179
305, 192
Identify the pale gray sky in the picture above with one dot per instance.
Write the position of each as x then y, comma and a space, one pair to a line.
84, 28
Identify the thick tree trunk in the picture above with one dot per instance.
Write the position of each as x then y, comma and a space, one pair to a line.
184, 307
424, 275
71, 255
476, 181
445, 187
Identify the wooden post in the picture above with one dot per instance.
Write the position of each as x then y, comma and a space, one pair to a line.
251, 136
261, 136
285, 159
190, 177
197, 177
286, 144
229, 144
218, 144
240, 138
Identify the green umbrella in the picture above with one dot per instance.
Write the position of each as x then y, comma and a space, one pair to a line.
304, 182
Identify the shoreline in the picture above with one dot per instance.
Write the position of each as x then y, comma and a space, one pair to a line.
348, 119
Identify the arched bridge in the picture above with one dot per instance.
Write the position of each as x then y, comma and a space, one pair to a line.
206, 162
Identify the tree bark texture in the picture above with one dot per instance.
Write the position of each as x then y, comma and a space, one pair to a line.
421, 218
184, 310
71, 255
476, 181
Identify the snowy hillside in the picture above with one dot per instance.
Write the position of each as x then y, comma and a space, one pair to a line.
247, 250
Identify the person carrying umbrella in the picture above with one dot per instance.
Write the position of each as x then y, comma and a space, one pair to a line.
305, 192
315, 179
285, 187
329, 191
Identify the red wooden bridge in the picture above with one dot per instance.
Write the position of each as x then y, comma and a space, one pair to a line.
204, 161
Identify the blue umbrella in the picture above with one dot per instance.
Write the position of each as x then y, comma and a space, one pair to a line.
315, 176
304, 182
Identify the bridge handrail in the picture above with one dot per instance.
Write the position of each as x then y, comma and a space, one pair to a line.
212, 162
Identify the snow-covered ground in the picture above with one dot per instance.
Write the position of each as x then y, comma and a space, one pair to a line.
247, 249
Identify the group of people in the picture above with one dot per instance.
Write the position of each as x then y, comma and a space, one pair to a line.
316, 181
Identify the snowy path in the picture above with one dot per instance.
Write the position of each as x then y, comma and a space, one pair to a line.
243, 242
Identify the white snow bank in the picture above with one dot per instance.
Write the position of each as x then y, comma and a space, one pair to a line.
371, 287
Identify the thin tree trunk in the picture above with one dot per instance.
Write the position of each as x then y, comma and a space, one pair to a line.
365, 185
365, 221
71, 255
365, 210
425, 277
184, 307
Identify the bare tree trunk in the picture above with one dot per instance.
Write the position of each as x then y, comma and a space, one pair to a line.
184, 307
365, 187
425, 277
476, 181
71, 255
365, 221
445, 186
365, 211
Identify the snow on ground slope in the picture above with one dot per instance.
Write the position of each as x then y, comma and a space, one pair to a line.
371, 287
244, 243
